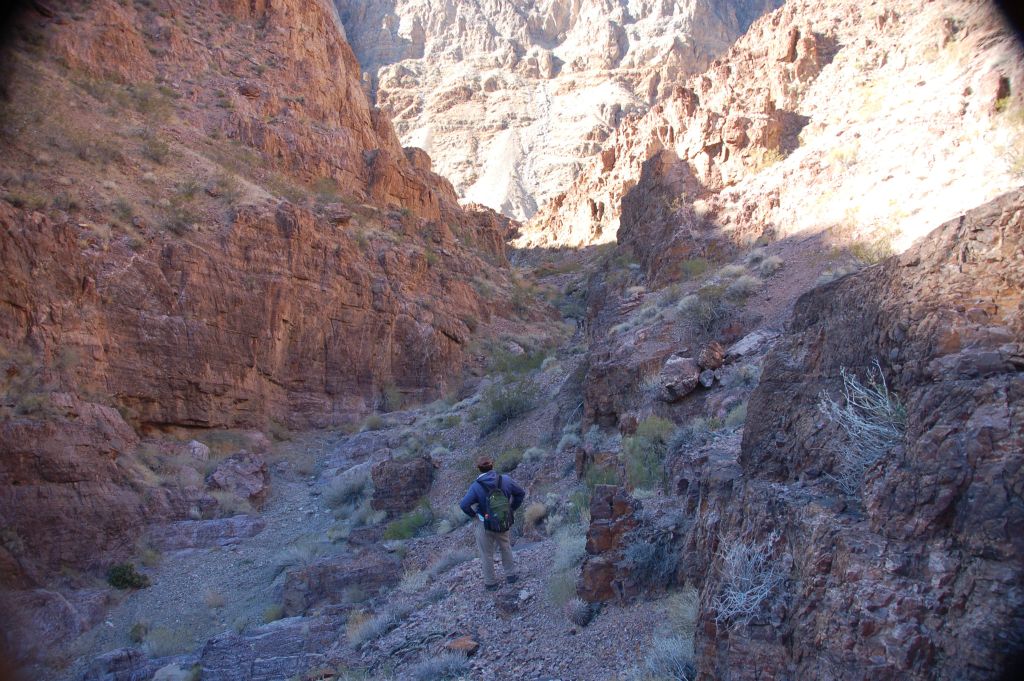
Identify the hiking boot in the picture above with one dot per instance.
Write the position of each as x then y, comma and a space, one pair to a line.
512, 579
491, 587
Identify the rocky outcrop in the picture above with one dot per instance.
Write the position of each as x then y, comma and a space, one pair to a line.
613, 515
329, 580
919, 568
511, 98
40, 620
283, 649
244, 476
201, 534
804, 99
399, 484
73, 465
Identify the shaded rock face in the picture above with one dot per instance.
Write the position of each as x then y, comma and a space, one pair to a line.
398, 485
509, 98
70, 466
123, 664
920, 569
329, 580
41, 619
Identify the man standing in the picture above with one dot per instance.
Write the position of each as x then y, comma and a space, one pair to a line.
492, 500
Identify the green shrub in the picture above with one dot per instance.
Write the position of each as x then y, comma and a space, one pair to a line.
447, 665
599, 475
509, 460
164, 641
125, 576
871, 251
137, 634
769, 266
704, 310
272, 613
534, 513
449, 560
693, 267
736, 416
655, 428
644, 453
391, 398
534, 454
372, 422
406, 526
504, 403
348, 489
373, 628
670, 658
513, 364
155, 149
567, 440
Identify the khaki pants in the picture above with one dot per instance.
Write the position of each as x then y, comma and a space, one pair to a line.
485, 543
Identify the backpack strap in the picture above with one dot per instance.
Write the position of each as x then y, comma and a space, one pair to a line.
483, 496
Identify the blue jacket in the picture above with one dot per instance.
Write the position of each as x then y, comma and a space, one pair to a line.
475, 500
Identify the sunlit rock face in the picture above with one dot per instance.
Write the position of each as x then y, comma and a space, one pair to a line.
511, 98
826, 114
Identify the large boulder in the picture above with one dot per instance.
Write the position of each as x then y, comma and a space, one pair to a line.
678, 378
399, 483
284, 649
328, 579
245, 475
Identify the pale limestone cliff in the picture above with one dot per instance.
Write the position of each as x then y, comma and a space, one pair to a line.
511, 98
818, 106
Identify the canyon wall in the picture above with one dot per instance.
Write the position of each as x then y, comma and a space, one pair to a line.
917, 572
206, 225
817, 106
511, 98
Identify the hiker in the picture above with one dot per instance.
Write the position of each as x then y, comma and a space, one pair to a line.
492, 501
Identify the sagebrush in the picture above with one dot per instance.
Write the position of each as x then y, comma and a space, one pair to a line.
873, 420
749, 575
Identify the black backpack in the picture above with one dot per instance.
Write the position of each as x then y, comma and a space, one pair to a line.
499, 516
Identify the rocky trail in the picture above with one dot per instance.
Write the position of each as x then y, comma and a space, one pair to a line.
227, 576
